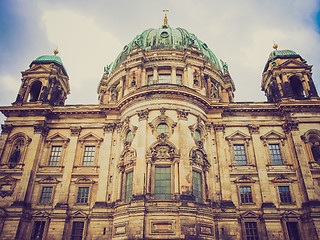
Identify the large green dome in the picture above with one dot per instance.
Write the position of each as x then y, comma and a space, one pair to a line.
166, 37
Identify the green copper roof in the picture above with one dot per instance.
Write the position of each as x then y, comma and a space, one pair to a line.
281, 54
50, 59
166, 38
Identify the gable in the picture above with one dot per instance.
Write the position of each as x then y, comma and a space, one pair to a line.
237, 135
57, 137
293, 63
272, 135
90, 137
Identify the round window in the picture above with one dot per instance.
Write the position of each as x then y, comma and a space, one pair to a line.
164, 34
197, 135
162, 128
129, 136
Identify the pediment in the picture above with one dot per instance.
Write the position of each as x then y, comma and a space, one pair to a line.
7, 180
84, 180
244, 179
90, 137
290, 214
238, 135
38, 68
57, 137
292, 63
79, 214
41, 213
272, 135
48, 180
282, 179
250, 214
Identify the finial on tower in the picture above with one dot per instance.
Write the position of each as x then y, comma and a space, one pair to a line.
275, 46
55, 51
165, 17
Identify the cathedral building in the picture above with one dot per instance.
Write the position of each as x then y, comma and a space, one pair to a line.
165, 153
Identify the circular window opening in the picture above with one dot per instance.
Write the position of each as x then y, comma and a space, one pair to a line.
197, 135
162, 128
164, 34
129, 136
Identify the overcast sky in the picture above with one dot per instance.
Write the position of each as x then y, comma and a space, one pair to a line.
90, 34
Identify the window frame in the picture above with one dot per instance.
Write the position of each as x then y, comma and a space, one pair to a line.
159, 166
127, 199
90, 157
244, 201
88, 197
59, 157
288, 192
45, 229
236, 162
251, 237
201, 185
41, 193
270, 154
83, 229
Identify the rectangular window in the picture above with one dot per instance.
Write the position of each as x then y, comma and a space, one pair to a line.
83, 195
179, 79
77, 230
38, 229
150, 79
129, 184
251, 231
245, 194
164, 78
162, 185
284, 193
275, 153
240, 154
46, 195
88, 156
293, 230
197, 186
55, 155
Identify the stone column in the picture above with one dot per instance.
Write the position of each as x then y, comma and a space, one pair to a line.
190, 76
144, 77
223, 165
176, 178
104, 163
174, 75
155, 75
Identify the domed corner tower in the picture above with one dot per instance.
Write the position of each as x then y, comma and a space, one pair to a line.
45, 82
287, 76
162, 60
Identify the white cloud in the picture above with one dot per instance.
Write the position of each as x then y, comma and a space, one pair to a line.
84, 49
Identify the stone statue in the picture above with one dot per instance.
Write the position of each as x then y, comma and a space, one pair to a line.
138, 41
214, 90
315, 149
14, 158
224, 66
107, 68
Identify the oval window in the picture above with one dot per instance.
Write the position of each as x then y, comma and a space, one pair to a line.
162, 128
129, 136
197, 135
164, 34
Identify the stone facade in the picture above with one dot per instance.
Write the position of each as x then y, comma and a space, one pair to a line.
166, 154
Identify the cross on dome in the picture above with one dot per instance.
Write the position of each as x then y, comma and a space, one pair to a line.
165, 16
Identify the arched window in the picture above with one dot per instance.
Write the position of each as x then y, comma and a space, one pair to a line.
162, 128
35, 91
297, 88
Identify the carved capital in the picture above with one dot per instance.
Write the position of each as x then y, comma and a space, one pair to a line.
219, 127
290, 126
41, 128
75, 131
109, 127
6, 128
143, 114
253, 128
182, 114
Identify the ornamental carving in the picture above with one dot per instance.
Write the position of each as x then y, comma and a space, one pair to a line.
290, 126
7, 185
162, 151
127, 158
41, 128
109, 127
183, 114
199, 158
143, 114
75, 131
6, 128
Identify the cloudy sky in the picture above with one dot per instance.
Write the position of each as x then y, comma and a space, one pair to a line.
90, 34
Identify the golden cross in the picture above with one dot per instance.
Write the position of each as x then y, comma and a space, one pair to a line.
165, 16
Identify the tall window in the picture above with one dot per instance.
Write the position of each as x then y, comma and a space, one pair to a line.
240, 154
285, 196
129, 183
77, 230
197, 186
83, 195
293, 230
246, 194
162, 185
275, 153
38, 229
251, 231
46, 195
88, 156
164, 78
179, 79
55, 155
